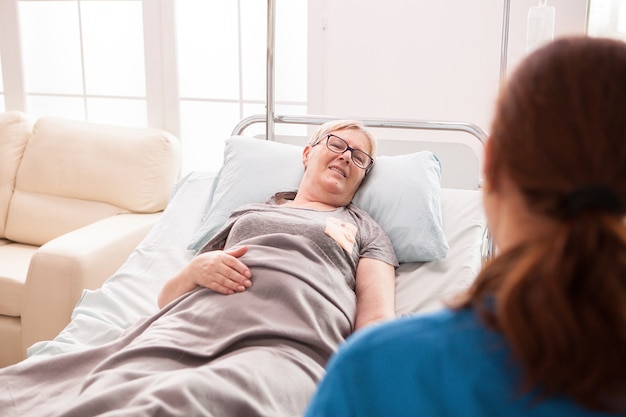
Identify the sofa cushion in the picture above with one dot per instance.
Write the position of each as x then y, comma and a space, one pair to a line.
15, 128
13, 268
74, 173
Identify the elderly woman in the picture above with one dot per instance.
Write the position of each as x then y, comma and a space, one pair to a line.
542, 332
246, 328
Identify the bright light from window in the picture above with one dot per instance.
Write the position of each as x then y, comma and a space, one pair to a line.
607, 18
51, 47
82, 58
291, 50
254, 48
204, 127
290, 55
125, 112
208, 49
113, 47
85, 60
222, 50
68, 107
2, 105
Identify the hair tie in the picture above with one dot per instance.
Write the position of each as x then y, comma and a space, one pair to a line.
593, 197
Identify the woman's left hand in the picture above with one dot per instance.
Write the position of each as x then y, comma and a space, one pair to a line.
219, 270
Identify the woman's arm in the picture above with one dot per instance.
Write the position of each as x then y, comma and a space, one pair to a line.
218, 270
375, 292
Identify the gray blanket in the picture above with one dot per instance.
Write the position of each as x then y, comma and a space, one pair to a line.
206, 354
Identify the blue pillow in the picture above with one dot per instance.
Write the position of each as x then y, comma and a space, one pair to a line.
402, 193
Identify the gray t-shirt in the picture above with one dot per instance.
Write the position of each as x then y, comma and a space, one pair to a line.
345, 234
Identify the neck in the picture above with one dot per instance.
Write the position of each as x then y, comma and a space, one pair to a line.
302, 202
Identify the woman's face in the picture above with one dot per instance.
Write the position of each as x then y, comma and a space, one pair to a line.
336, 173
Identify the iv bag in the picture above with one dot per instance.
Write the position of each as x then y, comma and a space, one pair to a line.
540, 29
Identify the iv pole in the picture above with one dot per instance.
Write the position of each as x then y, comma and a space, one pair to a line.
270, 110
504, 47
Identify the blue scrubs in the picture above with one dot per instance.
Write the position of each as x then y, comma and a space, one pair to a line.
440, 364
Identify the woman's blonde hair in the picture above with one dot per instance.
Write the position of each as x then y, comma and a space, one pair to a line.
335, 125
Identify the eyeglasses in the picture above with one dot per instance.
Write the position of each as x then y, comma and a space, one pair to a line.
337, 145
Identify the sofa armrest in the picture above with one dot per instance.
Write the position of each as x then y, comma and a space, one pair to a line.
82, 259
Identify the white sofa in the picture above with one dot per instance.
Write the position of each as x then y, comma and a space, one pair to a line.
75, 199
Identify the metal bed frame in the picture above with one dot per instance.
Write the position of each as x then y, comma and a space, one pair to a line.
470, 128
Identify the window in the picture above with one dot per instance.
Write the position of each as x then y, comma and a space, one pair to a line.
84, 60
192, 67
607, 18
2, 107
222, 70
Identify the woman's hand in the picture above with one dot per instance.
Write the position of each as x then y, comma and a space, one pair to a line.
221, 271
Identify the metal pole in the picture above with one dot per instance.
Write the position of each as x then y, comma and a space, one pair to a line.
270, 110
506, 9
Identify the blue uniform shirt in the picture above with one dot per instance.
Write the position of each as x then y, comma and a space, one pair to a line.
438, 364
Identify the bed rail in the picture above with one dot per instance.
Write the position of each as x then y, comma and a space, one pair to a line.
470, 128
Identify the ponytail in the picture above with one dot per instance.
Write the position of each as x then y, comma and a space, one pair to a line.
560, 302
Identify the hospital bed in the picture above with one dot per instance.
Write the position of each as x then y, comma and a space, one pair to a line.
425, 193
262, 351
442, 231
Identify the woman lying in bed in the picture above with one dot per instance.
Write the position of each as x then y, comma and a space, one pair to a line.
248, 325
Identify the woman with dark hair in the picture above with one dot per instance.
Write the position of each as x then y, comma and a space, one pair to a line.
542, 331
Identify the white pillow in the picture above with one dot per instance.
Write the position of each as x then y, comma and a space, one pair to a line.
402, 193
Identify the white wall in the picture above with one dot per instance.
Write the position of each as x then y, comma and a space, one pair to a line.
417, 59
403, 58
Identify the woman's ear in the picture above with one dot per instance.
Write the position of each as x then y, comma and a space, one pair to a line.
305, 155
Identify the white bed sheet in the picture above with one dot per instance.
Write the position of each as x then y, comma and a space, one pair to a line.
130, 294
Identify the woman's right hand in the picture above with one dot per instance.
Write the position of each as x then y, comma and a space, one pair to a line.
219, 270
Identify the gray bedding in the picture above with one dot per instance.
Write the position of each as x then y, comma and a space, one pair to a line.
256, 353
206, 353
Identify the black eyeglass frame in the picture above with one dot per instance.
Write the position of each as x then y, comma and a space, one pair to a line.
347, 148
